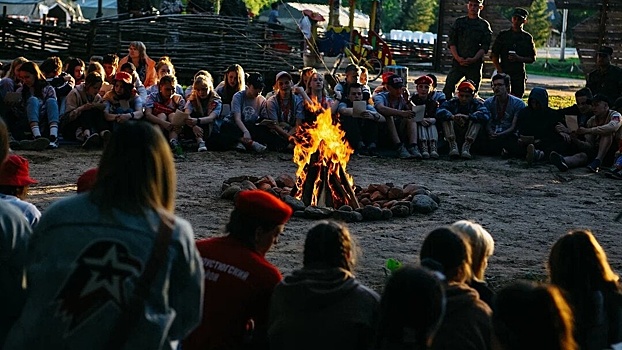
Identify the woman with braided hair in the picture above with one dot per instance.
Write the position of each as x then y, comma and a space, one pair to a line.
322, 305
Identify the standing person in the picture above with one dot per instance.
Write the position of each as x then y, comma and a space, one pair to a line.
512, 49
323, 305
273, 16
469, 40
578, 265
84, 268
15, 232
238, 279
145, 66
606, 78
503, 108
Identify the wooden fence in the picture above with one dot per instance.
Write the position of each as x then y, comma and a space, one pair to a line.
192, 42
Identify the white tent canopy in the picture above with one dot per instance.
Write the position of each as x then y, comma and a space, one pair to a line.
291, 12
30, 8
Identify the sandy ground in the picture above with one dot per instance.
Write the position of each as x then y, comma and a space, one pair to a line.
525, 209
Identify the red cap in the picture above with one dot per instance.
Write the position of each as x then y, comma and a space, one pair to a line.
466, 86
424, 79
385, 77
124, 77
14, 172
87, 180
263, 206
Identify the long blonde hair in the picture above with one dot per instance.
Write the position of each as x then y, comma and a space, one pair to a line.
203, 81
136, 171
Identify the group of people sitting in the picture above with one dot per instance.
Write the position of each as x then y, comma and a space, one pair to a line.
113, 268
84, 104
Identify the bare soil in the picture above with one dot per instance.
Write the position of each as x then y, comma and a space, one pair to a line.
525, 209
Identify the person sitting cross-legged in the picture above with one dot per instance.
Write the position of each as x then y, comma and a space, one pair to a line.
204, 106
401, 125
285, 108
599, 133
504, 108
362, 129
462, 117
428, 134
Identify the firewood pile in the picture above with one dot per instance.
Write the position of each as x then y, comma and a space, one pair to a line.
376, 201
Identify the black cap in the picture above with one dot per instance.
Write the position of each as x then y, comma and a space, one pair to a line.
352, 68
605, 50
395, 81
256, 80
520, 12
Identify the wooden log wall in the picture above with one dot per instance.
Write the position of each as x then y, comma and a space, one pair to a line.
193, 42
452, 9
602, 29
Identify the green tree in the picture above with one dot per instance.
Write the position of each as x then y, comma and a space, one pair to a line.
538, 24
255, 6
419, 14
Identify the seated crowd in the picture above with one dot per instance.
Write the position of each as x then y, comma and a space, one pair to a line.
123, 272
84, 103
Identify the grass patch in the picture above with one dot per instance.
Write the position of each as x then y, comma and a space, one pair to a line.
552, 67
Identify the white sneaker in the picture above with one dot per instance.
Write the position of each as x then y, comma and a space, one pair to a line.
202, 147
240, 147
258, 147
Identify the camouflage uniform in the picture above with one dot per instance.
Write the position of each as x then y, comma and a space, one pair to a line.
468, 36
520, 42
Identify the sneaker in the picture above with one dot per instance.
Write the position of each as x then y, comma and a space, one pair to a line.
202, 147
105, 135
92, 141
240, 147
53, 142
403, 153
258, 147
531, 153
414, 151
594, 166
558, 160
38, 144
616, 174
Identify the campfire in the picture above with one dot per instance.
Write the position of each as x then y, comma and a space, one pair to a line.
322, 154
323, 189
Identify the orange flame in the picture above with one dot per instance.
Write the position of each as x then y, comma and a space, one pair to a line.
326, 138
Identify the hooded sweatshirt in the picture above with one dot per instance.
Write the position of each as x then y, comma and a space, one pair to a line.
467, 321
539, 123
322, 309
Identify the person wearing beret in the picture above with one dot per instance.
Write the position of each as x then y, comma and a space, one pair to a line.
428, 134
463, 116
513, 48
238, 279
469, 40
15, 233
14, 182
606, 78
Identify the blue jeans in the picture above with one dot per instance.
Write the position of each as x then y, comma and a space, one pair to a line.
33, 110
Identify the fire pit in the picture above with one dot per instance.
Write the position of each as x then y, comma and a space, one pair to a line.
322, 187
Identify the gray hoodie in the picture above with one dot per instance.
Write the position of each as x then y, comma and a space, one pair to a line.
322, 309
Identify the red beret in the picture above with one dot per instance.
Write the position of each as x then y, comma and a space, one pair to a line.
385, 77
14, 172
124, 77
466, 86
87, 180
263, 206
424, 79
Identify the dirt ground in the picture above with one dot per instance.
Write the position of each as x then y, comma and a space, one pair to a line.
525, 209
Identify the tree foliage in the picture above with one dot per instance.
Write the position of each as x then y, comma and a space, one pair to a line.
538, 24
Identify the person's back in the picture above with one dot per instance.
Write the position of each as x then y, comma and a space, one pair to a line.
322, 305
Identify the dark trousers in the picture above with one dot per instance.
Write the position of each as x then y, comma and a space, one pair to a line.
359, 130
91, 119
457, 72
